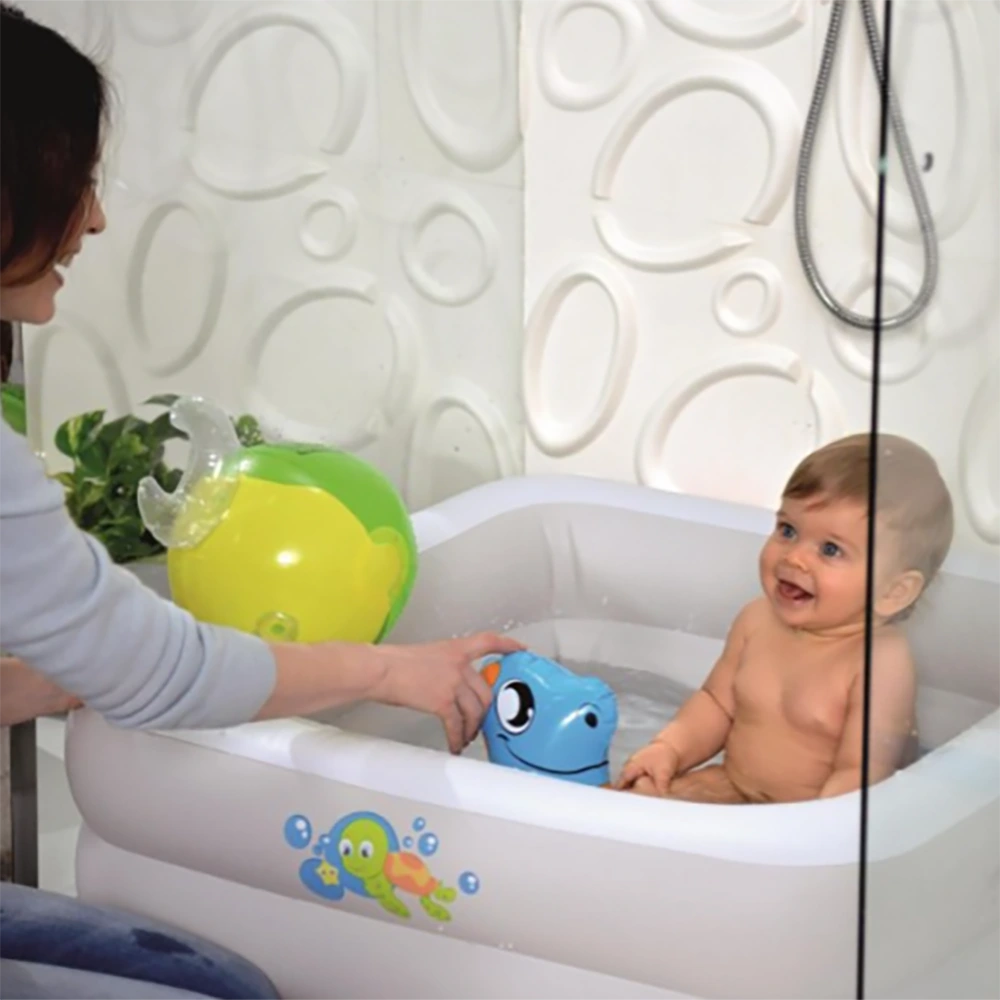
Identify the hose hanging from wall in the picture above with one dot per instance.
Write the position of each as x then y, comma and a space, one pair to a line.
928, 237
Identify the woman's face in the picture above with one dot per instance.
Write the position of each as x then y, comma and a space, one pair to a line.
36, 302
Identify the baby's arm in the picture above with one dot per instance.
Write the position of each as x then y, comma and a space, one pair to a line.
699, 729
893, 702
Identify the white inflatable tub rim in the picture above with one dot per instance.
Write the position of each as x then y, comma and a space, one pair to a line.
959, 778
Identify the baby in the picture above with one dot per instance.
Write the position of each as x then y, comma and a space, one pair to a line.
785, 700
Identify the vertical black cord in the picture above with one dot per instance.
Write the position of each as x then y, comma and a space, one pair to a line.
883, 169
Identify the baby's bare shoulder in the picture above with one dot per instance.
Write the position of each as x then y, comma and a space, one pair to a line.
754, 614
891, 652
755, 621
892, 662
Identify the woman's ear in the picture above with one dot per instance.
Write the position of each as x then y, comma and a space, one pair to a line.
901, 591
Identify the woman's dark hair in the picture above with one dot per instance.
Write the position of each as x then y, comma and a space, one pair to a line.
6, 348
54, 108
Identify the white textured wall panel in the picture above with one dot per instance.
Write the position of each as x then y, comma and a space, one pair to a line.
671, 335
315, 214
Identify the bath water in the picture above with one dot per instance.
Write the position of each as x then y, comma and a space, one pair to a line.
646, 702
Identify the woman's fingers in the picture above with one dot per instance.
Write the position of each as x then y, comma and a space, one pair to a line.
482, 690
486, 643
471, 709
454, 728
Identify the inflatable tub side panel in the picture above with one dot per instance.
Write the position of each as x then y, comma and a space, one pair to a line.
624, 910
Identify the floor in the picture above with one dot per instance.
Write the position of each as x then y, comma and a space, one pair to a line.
58, 818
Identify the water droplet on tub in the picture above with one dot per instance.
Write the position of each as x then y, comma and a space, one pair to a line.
419, 823
407, 842
428, 844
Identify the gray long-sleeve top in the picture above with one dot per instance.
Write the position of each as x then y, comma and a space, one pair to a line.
91, 627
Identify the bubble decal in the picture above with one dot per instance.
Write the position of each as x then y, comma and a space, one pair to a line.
469, 883
298, 832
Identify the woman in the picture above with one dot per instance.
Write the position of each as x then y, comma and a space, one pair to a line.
88, 627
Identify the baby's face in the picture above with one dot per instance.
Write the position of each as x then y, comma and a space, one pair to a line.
813, 566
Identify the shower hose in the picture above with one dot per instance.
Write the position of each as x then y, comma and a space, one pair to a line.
927, 235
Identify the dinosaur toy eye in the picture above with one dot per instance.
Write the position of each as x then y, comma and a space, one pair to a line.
346, 848
515, 707
366, 850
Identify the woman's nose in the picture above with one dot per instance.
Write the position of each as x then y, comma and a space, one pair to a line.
96, 220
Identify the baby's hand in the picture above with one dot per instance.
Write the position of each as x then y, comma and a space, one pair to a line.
644, 786
649, 771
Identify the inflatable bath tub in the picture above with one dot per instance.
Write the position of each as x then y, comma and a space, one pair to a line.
268, 838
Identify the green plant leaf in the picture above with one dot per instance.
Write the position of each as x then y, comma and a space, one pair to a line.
114, 429
170, 479
248, 431
128, 446
162, 430
93, 458
13, 406
78, 432
164, 399
90, 493
110, 460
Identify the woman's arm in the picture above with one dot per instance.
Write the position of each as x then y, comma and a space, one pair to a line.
92, 628
438, 677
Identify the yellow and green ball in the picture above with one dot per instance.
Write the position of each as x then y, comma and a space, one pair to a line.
313, 545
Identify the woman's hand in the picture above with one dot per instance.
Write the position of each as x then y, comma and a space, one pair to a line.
25, 694
441, 678
436, 677
650, 771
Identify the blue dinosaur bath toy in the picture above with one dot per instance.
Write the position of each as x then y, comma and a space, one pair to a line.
546, 719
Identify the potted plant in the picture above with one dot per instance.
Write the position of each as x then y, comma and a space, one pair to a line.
109, 459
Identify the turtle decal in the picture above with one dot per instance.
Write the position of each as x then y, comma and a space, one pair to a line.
368, 852
362, 854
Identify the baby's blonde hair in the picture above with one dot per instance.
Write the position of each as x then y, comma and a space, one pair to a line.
912, 499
